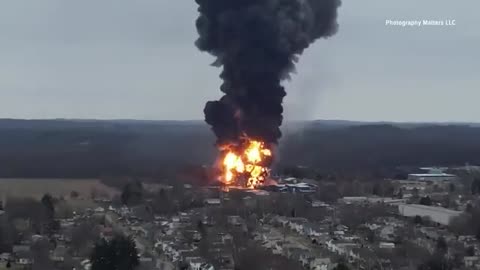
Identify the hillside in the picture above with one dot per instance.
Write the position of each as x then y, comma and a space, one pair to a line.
89, 148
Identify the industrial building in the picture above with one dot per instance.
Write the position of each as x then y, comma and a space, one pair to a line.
436, 214
433, 174
432, 177
374, 199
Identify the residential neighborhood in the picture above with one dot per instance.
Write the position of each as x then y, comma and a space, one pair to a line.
207, 228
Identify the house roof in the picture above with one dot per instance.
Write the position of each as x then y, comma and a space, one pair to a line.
431, 175
20, 248
24, 255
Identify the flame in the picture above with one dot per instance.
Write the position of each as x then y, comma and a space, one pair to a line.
247, 161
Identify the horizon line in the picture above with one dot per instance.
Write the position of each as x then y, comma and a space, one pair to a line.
201, 120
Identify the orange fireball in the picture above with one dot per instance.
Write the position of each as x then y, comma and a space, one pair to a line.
247, 163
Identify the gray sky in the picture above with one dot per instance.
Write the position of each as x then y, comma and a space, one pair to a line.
136, 59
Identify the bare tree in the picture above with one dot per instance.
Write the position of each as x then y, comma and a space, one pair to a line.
40, 252
83, 237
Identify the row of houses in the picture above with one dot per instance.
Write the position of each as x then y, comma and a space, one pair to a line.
180, 241
333, 239
319, 235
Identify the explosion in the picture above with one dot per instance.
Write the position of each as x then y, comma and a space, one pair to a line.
246, 164
257, 44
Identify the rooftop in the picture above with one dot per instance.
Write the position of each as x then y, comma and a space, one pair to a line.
433, 208
431, 175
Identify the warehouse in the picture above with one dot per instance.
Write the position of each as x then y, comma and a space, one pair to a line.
432, 174
436, 214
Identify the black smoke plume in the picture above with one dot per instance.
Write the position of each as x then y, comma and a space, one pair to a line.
257, 43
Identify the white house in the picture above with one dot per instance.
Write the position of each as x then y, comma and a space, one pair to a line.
86, 264
320, 264
386, 245
471, 261
195, 263
212, 201
99, 210
5, 256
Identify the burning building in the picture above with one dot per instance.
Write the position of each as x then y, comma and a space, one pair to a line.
257, 43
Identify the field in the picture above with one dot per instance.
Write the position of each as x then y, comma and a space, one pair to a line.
13, 267
36, 188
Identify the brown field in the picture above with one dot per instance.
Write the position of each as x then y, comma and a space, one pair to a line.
36, 188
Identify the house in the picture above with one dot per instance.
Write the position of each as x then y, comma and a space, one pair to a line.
305, 259
295, 253
386, 245
212, 201
317, 203
387, 233
124, 211
301, 188
146, 262
277, 247
24, 257
281, 220
170, 251
320, 264
5, 256
235, 220
195, 263
296, 224
67, 223
314, 230
471, 261
352, 200
86, 264
20, 248
341, 227
36, 237
139, 230
206, 266
468, 240
226, 260
321, 240
226, 238
291, 180
194, 235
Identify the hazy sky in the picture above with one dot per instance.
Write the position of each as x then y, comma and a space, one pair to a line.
136, 59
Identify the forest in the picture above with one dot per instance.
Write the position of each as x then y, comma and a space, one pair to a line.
89, 148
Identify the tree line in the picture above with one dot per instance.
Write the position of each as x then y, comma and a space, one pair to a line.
77, 149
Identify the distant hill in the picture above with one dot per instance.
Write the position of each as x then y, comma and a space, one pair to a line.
90, 148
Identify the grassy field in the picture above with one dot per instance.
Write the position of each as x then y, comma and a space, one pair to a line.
13, 267
36, 188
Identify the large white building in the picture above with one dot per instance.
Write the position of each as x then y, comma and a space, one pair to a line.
433, 174
436, 214
432, 177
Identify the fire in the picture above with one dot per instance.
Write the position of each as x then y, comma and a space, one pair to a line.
246, 162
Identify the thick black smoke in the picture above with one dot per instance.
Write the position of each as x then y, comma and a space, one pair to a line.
257, 43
